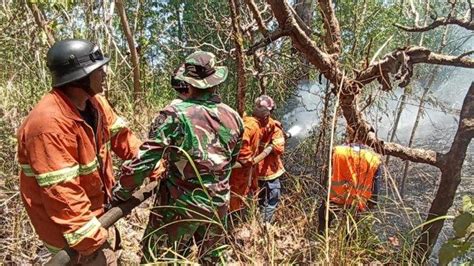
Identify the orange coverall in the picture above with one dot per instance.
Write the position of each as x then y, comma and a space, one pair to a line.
66, 170
240, 177
272, 166
354, 169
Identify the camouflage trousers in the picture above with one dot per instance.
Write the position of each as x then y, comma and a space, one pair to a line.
181, 232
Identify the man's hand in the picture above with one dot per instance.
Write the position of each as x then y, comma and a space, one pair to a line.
119, 195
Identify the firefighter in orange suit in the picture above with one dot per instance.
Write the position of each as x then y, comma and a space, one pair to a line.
354, 180
64, 151
271, 168
241, 178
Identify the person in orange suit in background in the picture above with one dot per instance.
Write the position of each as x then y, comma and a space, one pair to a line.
241, 178
269, 170
355, 179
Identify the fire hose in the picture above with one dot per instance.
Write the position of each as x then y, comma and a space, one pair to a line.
64, 256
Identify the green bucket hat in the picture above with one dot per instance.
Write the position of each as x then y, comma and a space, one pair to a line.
200, 71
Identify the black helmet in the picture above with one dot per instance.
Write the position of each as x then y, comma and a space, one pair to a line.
71, 60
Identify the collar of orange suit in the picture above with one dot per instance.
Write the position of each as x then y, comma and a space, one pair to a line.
68, 108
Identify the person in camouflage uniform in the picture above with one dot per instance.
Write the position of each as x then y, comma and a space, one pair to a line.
199, 138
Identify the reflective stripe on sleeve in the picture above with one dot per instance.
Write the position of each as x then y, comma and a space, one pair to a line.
272, 176
61, 175
278, 141
118, 125
85, 169
54, 177
27, 170
86, 230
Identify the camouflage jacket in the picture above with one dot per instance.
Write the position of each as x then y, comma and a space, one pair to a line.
200, 139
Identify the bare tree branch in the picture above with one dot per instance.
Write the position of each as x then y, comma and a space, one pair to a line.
323, 61
466, 54
400, 63
471, 10
467, 24
332, 37
302, 23
415, 155
256, 15
239, 53
271, 37
131, 46
450, 167
41, 22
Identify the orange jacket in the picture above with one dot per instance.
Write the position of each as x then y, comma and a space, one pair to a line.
240, 177
354, 168
271, 167
65, 180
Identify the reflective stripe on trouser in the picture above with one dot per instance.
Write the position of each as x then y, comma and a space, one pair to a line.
269, 197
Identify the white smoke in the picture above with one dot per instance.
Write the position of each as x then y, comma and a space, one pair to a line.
302, 112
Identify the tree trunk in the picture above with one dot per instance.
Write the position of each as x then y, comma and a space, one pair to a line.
412, 135
397, 118
239, 53
133, 51
258, 66
321, 169
108, 43
42, 23
450, 177
305, 10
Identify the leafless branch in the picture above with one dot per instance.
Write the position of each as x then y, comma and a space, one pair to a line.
467, 24
415, 155
41, 22
400, 64
302, 24
271, 37
466, 54
471, 10
332, 37
256, 15
323, 61
131, 45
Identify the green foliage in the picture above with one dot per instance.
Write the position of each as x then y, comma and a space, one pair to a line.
463, 240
